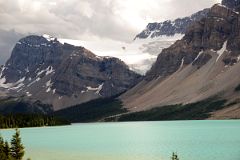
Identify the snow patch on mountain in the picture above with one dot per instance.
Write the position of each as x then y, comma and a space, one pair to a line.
28, 94
48, 37
36, 80
97, 89
50, 70
238, 58
222, 50
47, 71
199, 54
11, 86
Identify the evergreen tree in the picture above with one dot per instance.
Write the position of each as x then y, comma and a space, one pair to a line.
174, 156
17, 148
7, 151
2, 153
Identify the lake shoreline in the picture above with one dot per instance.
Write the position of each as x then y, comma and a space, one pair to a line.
87, 123
198, 140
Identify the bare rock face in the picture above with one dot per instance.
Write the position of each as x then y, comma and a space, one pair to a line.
209, 33
42, 68
233, 4
170, 28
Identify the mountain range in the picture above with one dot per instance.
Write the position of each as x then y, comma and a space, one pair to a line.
203, 64
195, 76
42, 68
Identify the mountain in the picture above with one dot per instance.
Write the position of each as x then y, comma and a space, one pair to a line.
233, 4
148, 50
203, 65
42, 68
170, 28
158, 36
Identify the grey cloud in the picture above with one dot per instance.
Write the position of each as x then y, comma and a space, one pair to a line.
86, 19
187, 7
7, 41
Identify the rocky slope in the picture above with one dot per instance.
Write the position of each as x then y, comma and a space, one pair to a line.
42, 68
203, 64
170, 28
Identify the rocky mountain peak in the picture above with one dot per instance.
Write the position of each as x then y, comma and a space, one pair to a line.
170, 27
42, 68
211, 33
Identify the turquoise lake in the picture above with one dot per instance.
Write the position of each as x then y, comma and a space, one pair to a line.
192, 140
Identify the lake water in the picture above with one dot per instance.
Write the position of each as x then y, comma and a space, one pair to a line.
192, 140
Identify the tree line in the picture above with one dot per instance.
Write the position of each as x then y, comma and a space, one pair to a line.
29, 120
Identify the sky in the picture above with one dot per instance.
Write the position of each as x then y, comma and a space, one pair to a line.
86, 20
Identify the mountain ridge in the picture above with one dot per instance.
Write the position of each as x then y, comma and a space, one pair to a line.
169, 27
196, 74
42, 68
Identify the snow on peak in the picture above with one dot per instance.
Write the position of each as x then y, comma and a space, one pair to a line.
48, 37
71, 41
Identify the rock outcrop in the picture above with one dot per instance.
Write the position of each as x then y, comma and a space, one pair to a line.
42, 68
170, 28
233, 4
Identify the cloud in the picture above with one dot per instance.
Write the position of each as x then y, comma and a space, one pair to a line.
118, 20
7, 41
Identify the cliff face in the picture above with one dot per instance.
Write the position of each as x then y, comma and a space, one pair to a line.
233, 4
203, 64
170, 28
42, 68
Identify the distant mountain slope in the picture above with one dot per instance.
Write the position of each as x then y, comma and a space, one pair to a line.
170, 28
205, 63
42, 68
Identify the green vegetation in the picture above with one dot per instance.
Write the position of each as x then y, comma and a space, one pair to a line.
92, 111
16, 106
174, 156
17, 149
195, 111
111, 109
237, 89
13, 105
29, 120
13, 152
